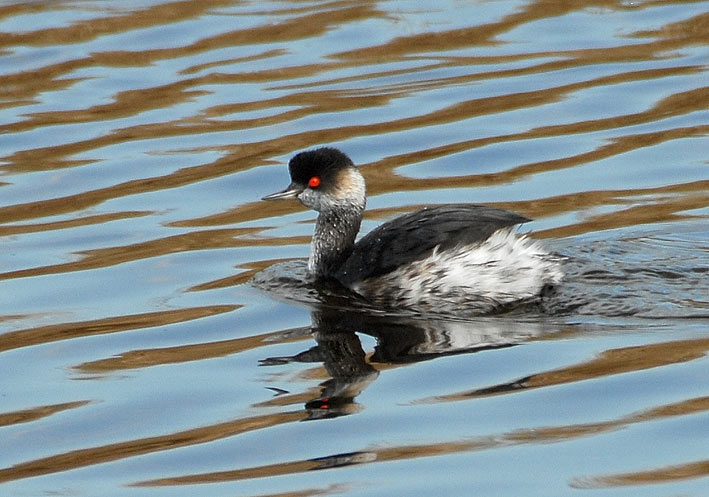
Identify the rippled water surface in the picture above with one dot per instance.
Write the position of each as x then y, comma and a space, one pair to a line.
158, 335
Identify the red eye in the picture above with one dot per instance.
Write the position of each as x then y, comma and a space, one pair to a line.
314, 182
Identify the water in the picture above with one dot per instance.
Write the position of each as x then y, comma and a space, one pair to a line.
157, 332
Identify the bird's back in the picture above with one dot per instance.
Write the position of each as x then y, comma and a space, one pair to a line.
414, 236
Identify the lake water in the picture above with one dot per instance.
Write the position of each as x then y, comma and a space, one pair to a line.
156, 334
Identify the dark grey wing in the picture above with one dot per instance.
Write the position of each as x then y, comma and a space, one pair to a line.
413, 236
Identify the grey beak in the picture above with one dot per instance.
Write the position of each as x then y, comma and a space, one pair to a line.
292, 191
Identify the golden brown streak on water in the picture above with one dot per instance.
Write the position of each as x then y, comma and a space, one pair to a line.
23, 8
306, 26
90, 198
24, 87
654, 212
515, 438
70, 223
679, 34
252, 267
258, 153
688, 38
682, 408
35, 413
30, 83
672, 195
51, 157
66, 331
478, 35
93, 28
184, 353
303, 465
691, 30
196, 240
684, 33
679, 104
208, 65
668, 201
125, 104
671, 200
14, 317
610, 362
309, 103
382, 177
96, 455
688, 471
625, 360
298, 398
131, 102
312, 492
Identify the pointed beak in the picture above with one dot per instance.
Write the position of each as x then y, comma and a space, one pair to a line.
291, 192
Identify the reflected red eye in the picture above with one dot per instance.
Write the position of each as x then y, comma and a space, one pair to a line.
314, 182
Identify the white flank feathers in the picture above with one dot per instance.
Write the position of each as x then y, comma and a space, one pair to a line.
501, 270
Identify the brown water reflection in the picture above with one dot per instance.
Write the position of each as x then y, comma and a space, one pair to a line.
537, 435
616, 361
98, 258
65, 331
135, 141
699, 469
29, 415
97, 455
133, 102
171, 355
342, 352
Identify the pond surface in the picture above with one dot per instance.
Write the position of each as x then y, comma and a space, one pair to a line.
157, 336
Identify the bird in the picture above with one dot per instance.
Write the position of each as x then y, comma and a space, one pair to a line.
454, 259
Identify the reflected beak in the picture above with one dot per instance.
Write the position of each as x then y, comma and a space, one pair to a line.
292, 191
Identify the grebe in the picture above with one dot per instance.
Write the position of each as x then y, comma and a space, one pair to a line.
452, 258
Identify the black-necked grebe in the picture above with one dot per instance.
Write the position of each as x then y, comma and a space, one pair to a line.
450, 258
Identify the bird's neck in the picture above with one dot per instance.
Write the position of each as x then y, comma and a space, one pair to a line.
334, 237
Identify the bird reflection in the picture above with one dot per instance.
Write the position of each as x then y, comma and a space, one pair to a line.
399, 340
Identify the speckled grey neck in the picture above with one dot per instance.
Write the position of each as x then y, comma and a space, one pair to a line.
334, 237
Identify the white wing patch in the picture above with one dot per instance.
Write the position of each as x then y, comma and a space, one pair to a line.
503, 269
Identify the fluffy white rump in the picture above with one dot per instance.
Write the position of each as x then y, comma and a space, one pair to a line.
503, 269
